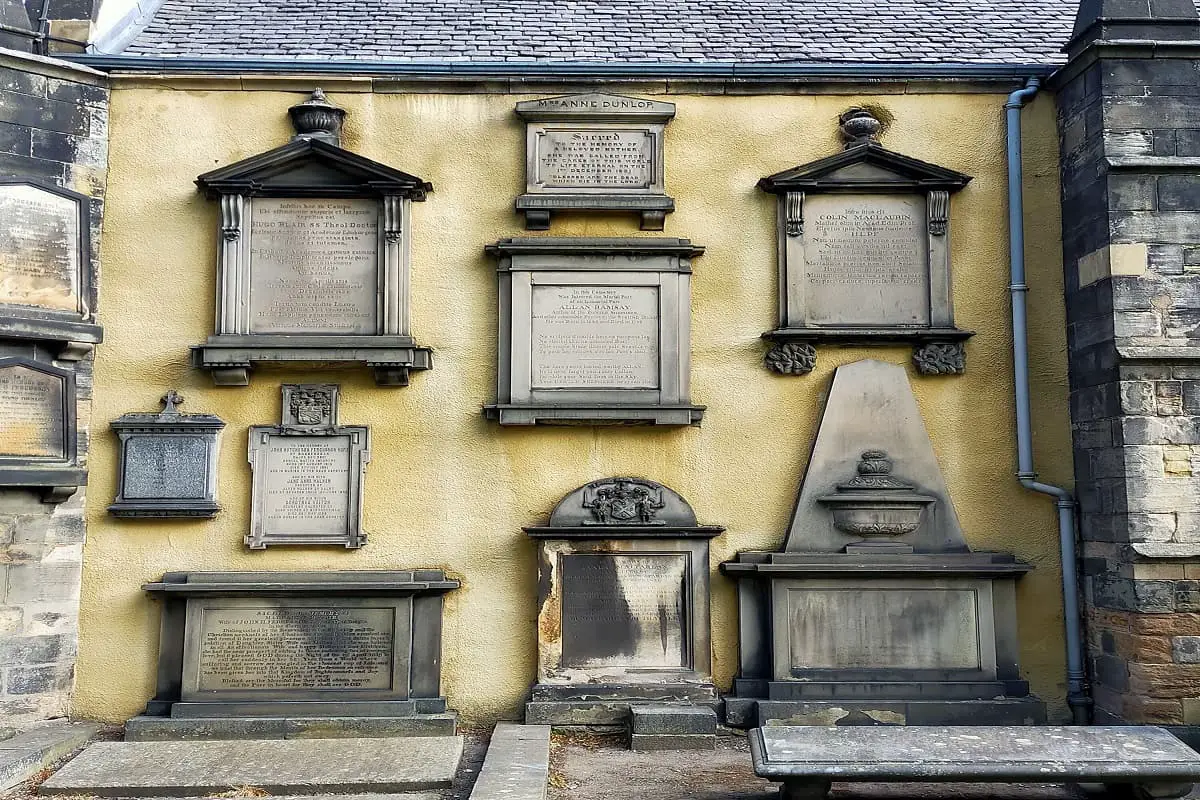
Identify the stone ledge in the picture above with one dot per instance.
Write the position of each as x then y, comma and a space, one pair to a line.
517, 765
26, 754
644, 743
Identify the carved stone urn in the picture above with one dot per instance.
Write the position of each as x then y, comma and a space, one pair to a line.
875, 505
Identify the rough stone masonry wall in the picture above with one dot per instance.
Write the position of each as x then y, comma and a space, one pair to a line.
53, 127
1130, 129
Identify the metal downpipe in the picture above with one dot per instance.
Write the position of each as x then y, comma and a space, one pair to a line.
1077, 696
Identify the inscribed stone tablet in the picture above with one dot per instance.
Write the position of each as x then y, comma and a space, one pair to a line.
595, 337
595, 158
314, 266
31, 413
39, 248
159, 467
307, 485
866, 260
883, 628
623, 610
252, 645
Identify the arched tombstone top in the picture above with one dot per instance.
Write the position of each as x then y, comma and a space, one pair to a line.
635, 506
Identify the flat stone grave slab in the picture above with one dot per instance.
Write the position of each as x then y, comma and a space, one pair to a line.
281, 767
808, 759
517, 764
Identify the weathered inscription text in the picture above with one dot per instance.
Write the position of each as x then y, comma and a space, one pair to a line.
295, 648
159, 467
600, 158
39, 248
595, 337
314, 266
624, 610
866, 259
31, 414
307, 486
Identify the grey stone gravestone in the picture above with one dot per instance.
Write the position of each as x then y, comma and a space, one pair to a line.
38, 435
314, 258
272, 650
623, 603
876, 611
308, 473
46, 292
168, 463
864, 254
594, 330
595, 152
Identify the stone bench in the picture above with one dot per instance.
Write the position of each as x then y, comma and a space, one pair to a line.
1147, 762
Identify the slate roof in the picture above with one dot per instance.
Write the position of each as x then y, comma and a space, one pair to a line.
615, 31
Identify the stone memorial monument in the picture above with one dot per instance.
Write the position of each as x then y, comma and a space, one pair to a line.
314, 257
595, 152
594, 331
38, 434
46, 291
272, 655
876, 611
864, 254
623, 604
168, 463
308, 473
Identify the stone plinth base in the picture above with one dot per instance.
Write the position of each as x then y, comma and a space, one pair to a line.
611, 705
754, 713
147, 729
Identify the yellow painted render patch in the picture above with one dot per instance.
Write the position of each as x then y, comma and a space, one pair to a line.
447, 489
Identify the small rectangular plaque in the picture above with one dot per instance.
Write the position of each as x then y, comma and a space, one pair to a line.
866, 260
314, 266
166, 467
39, 248
32, 414
624, 610
307, 485
595, 158
595, 337
262, 646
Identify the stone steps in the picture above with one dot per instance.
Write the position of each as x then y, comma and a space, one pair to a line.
279, 767
672, 727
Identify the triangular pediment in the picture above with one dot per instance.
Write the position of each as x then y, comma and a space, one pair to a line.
596, 105
867, 167
309, 167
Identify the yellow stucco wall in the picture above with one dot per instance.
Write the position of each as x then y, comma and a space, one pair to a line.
447, 489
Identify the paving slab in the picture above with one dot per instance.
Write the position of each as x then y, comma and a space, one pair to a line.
23, 755
280, 767
517, 764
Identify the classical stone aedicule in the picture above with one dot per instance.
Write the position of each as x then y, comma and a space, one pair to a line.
46, 289
864, 254
38, 434
623, 599
595, 152
168, 463
314, 257
594, 331
308, 471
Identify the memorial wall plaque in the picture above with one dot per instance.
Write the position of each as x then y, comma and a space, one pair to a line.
341, 645
38, 435
168, 463
314, 258
594, 330
623, 602
864, 254
45, 267
595, 152
308, 473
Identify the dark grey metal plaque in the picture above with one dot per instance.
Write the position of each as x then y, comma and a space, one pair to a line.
32, 413
626, 610
258, 645
308, 473
168, 465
